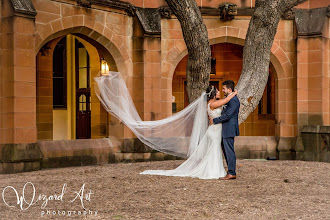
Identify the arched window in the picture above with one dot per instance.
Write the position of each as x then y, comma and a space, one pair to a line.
267, 103
59, 75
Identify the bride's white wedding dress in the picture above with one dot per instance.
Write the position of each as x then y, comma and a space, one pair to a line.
206, 161
184, 134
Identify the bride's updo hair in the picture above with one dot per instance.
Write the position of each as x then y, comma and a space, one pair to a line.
211, 92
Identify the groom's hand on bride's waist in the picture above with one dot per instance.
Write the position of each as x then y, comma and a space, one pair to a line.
211, 121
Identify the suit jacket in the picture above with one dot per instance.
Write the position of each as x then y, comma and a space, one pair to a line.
229, 119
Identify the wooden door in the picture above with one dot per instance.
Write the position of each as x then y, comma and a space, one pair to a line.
83, 92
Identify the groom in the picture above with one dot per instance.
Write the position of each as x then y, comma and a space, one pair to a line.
230, 129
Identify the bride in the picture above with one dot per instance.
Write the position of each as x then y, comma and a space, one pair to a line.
184, 134
206, 161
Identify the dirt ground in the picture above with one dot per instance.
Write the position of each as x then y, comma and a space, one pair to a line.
263, 190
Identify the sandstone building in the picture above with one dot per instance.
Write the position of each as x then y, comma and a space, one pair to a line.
51, 50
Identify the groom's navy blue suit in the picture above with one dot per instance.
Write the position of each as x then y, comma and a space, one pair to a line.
230, 129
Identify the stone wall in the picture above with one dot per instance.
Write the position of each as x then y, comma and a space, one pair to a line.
315, 143
18, 75
216, 3
229, 64
66, 153
283, 58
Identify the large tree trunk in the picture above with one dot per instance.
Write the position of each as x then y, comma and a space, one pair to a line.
257, 49
256, 53
196, 38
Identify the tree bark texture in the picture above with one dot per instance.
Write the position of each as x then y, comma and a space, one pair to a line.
196, 38
256, 53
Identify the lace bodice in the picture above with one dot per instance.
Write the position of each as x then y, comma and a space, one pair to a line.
214, 113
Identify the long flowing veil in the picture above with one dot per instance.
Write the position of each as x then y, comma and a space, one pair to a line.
177, 135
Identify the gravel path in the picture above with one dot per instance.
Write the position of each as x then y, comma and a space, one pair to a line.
263, 190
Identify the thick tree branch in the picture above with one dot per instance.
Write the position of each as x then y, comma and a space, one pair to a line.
256, 54
197, 41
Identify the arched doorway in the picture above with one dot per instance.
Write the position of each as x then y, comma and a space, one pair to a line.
227, 64
67, 107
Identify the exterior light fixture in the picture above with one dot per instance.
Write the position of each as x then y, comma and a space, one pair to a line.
104, 67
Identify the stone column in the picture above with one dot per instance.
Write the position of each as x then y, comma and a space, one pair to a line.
19, 88
19, 77
312, 71
146, 79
